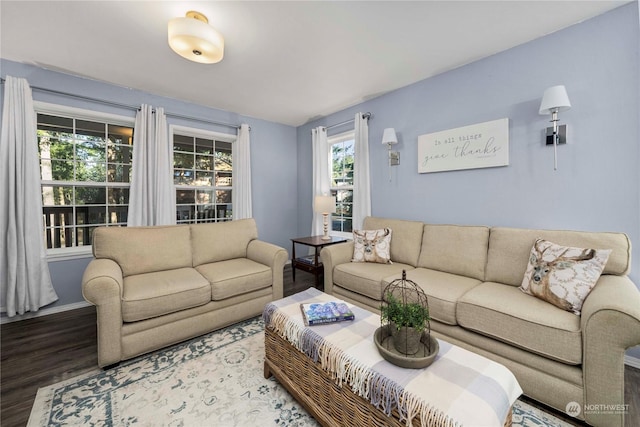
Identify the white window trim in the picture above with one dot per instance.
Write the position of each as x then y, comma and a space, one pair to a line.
201, 133
331, 140
81, 113
76, 252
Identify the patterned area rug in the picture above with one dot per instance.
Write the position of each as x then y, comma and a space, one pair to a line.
214, 380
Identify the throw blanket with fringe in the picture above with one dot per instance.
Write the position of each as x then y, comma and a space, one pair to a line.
460, 387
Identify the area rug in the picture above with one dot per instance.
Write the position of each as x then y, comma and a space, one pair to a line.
214, 380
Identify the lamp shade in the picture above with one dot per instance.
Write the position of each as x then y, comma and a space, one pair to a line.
554, 98
324, 204
389, 136
194, 39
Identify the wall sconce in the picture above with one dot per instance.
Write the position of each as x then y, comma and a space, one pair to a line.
554, 100
193, 38
325, 205
389, 138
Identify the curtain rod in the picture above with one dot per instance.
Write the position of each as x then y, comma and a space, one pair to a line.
364, 116
126, 106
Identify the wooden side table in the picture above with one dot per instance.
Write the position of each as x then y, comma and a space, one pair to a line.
311, 263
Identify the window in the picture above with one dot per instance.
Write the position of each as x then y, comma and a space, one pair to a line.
203, 175
342, 152
85, 170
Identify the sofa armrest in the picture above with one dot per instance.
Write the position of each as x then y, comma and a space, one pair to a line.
273, 256
102, 285
331, 256
610, 323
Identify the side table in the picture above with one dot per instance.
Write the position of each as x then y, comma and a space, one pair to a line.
311, 263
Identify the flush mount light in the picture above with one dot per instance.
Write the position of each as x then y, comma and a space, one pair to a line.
193, 38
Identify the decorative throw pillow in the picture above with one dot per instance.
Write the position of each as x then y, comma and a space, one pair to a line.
563, 276
372, 246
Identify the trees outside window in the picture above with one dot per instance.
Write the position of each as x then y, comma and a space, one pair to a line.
203, 175
85, 170
342, 152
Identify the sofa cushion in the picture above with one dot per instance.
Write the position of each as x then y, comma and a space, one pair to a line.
407, 237
221, 241
562, 276
235, 277
372, 246
443, 291
140, 250
505, 313
366, 278
455, 249
154, 294
509, 250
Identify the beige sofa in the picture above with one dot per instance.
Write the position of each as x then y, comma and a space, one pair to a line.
156, 286
471, 275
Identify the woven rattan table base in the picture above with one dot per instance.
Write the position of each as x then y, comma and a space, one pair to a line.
314, 389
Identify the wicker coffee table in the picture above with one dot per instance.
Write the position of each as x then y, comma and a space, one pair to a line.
313, 378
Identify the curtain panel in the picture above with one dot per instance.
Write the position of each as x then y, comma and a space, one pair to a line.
321, 168
361, 173
151, 197
241, 195
24, 270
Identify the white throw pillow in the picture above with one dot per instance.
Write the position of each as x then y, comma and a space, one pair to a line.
372, 246
563, 276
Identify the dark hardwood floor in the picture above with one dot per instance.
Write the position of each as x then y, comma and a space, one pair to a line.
45, 350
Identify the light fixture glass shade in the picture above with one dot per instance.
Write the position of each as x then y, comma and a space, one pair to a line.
389, 136
554, 98
194, 39
324, 204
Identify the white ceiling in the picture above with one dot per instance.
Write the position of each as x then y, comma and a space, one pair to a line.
287, 61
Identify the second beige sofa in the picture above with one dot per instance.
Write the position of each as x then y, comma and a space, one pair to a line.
471, 275
156, 286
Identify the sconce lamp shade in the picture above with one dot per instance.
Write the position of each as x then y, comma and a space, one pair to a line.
325, 204
389, 136
194, 39
554, 98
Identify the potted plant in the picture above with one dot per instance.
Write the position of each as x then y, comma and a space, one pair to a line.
407, 321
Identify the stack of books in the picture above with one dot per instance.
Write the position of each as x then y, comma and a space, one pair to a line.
310, 259
317, 313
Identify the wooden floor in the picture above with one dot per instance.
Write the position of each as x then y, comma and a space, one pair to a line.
44, 350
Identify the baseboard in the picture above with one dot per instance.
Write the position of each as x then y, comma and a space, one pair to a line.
44, 312
632, 361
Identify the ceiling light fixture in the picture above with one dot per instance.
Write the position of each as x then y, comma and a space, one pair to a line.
193, 38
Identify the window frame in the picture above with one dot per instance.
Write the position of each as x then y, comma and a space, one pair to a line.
194, 132
332, 140
85, 251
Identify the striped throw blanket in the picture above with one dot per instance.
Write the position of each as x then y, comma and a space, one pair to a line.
460, 388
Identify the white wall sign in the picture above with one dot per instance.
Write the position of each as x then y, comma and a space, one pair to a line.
482, 145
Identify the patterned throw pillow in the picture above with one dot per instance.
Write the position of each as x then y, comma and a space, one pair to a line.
372, 246
563, 276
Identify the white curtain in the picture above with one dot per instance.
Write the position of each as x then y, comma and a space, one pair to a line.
321, 168
361, 180
151, 197
241, 195
26, 282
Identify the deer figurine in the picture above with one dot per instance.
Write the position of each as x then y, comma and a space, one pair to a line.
370, 254
542, 270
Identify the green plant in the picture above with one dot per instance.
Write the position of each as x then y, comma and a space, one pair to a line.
413, 315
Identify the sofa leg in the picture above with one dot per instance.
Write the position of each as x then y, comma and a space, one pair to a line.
114, 365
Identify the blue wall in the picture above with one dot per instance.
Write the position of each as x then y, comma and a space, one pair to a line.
273, 156
597, 184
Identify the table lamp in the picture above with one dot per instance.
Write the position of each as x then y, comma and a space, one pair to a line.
325, 205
